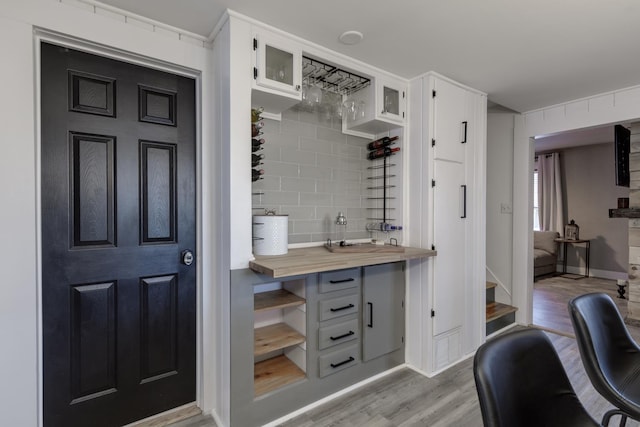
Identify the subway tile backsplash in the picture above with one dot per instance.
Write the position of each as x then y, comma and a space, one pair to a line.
312, 172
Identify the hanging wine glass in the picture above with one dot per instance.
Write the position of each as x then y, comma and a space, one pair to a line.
314, 93
349, 109
361, 110
306, 102
337, 106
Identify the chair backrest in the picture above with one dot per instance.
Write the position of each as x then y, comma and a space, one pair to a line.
521, 382
609, 354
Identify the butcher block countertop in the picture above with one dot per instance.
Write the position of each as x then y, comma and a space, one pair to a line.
317, 259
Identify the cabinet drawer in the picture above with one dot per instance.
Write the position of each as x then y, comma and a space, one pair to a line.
337, 334
337, 307
338, 280
338, 360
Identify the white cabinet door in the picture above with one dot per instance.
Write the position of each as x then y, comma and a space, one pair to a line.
450, 121
390, 100
449, 240
278, 63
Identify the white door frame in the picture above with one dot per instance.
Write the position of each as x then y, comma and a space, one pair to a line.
42, 35
602, 109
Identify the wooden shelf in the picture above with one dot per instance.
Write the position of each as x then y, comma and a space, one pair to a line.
624, 213
274, 373
275, 299
275, 337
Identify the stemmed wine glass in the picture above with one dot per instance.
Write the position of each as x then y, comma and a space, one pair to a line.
314, 93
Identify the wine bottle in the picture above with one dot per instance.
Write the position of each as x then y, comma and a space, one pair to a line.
255, 114
255, 128
256, 174
382, 152
255, 159
381, 143
256, 144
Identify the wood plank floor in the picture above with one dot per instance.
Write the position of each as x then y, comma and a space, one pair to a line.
406, 398
551, 296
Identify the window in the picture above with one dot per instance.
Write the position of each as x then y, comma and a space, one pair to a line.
536, 217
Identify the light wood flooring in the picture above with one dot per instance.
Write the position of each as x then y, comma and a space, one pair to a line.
551, 296
406, 398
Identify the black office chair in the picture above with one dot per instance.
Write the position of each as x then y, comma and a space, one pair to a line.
521, 382
609, 354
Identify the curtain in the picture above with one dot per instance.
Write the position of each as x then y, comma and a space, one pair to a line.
550, 193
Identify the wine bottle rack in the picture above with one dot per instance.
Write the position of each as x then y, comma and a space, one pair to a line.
256, 144
381, 185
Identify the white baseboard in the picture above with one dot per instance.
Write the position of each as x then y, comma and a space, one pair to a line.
594, 272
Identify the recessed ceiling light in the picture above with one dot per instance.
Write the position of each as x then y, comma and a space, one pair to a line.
350, 37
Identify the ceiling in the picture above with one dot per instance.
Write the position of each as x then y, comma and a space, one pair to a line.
524, 54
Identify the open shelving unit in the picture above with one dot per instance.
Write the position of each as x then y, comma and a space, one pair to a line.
272, 300
275, 337
278, 371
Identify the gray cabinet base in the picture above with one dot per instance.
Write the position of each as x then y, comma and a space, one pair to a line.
247, 411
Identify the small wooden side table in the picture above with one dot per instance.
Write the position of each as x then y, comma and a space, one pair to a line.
565, 242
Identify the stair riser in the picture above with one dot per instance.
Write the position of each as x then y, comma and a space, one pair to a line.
491, 295
500, 322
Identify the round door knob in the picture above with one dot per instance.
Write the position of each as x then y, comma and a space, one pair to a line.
187, 257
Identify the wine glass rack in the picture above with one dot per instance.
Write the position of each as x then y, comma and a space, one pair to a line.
332, 78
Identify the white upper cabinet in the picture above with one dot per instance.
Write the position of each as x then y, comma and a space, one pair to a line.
277, 72
379, 107
451, 121
390, 100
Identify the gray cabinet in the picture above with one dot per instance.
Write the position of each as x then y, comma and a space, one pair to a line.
382, 309
330, 359
338, 328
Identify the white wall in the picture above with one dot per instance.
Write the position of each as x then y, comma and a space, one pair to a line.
499, 194
19, 310
18, 358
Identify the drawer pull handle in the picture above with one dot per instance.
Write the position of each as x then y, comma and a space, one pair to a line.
350, 359
350, 279
348, 334
346, 307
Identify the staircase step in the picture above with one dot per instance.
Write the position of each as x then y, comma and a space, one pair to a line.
491, 292
496, 310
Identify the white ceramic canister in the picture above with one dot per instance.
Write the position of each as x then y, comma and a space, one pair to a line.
270, 234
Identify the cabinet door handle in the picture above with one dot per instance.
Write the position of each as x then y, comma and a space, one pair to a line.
350, 359
339, 337
350, 279
464, 141
370, 324
463, 199
346, 307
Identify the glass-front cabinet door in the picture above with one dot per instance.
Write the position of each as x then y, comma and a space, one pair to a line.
278, 63
391, 100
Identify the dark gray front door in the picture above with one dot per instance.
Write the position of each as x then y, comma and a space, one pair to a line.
118, 212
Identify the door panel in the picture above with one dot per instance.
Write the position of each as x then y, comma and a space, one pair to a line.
383, 309
449, 239
118, 208
450, 121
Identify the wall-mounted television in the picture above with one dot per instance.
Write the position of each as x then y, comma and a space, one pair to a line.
622, 142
